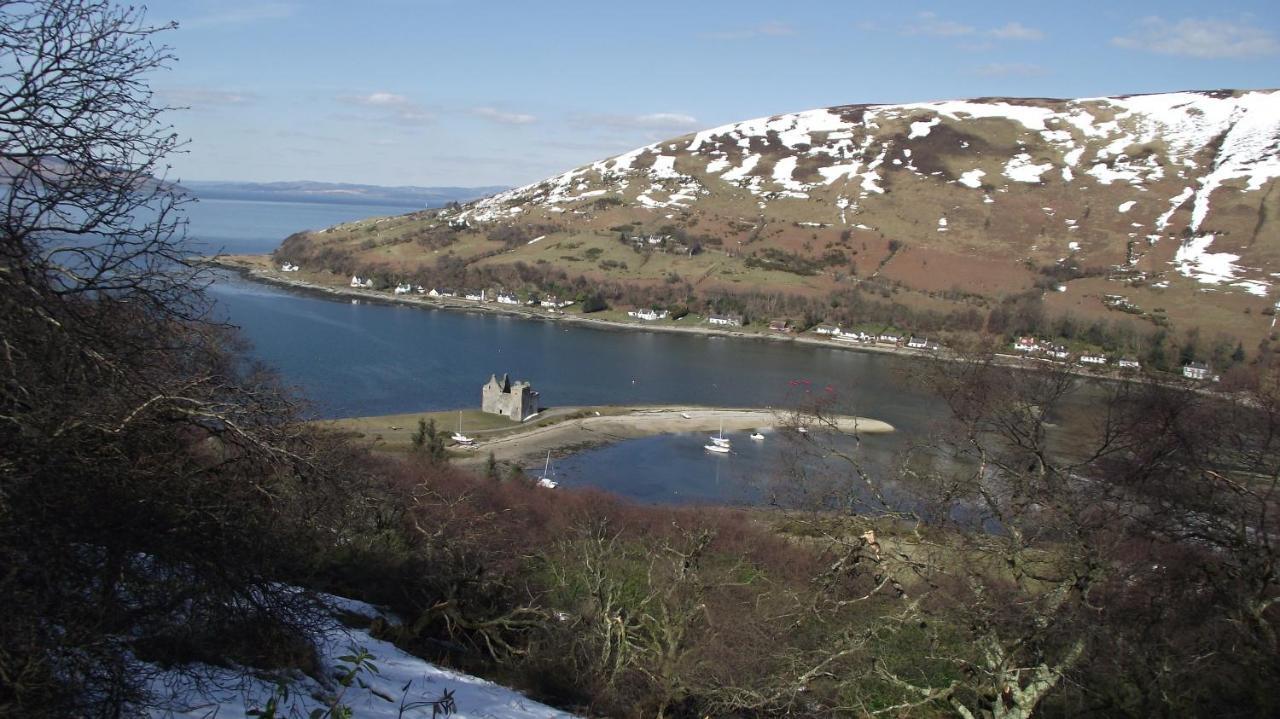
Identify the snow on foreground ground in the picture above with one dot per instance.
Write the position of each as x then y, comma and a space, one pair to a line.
225, 694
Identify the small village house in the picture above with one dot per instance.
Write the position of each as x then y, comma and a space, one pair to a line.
725, 320
648, 314
1196, 370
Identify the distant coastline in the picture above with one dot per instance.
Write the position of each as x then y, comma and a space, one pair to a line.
333, 193
259, 268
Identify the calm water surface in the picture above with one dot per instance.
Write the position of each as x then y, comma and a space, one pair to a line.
367, 359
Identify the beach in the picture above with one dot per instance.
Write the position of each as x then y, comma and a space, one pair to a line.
570, 429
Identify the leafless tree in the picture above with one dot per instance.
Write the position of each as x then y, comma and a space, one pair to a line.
1030, 568
153, 485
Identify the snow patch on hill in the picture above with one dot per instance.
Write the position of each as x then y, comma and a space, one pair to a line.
226, 693
1205, 142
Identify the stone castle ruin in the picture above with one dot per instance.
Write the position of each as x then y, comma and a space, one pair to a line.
517, 400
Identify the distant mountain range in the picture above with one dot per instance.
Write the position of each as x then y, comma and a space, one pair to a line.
341, 193
1159, 211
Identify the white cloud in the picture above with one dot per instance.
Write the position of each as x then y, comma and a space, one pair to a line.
243, 14
653, 121
391, 106
1192, 37
199, 98
504, 118
1016, 31
929, 23
663, 119
380, 99
768, 29
1010, 69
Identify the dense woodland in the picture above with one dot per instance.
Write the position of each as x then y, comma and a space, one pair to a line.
161, 504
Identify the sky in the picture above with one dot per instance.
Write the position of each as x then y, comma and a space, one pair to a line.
489, 92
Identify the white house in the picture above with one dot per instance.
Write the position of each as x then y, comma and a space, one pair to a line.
477, 295
360, 282
1026, 344
1093, 359
725, 320
889, 338
1127, 363
289, 267
1195, 370
648, 314
918, 343
403, 289
1058, 352
826, 330
554, 302
506, 298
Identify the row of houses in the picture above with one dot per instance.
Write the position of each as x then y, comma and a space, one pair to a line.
649, 314
1031, 345
887, 338
500, 297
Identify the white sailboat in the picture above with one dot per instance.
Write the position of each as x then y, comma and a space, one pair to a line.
757, 436
717, 448
720, 440
459, 437
545, 480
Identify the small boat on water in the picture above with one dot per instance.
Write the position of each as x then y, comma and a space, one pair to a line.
717, 448
461, 438
720, 440
545, 480
757, 436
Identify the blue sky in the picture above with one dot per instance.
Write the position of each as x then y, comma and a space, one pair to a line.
445, 92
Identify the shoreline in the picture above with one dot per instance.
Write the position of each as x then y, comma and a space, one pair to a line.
264, 273
273, 277
574, 429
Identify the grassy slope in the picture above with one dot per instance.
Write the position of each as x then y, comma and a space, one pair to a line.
989, 250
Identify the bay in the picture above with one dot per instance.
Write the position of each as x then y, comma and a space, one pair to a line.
366, 358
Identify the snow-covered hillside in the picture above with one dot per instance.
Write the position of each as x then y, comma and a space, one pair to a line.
1091, 137
401, 679
1171, 153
